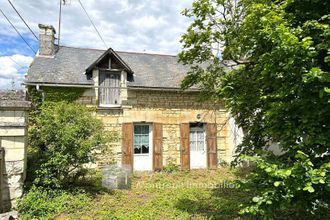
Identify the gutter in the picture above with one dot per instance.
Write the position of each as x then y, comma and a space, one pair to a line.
128, 88
58, 85
162, 89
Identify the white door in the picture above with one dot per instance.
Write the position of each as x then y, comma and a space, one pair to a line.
142, 147
197, 148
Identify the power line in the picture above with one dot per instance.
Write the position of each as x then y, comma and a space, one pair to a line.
93, 24
21, 67
15, 62
23, 19
17, 31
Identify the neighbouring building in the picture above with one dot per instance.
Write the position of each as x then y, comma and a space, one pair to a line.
138, 95
13, 123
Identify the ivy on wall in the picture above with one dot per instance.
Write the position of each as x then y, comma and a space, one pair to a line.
51, 94
55, 94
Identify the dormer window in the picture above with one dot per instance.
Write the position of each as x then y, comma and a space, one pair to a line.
112, 75
109, 88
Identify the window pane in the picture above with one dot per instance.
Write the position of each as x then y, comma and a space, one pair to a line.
200, 145
192, 135
136, 140
137, 129
200, 135
137, 149
145, 149
145, 129
144, 139
192, 140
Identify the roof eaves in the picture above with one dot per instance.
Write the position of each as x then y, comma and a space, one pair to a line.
132, 87
31, 83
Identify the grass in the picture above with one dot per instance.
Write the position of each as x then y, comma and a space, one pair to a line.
178, 195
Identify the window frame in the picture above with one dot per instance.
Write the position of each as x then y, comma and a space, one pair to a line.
149, 139
195, 130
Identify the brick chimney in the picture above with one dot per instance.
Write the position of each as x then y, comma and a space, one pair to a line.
46, 40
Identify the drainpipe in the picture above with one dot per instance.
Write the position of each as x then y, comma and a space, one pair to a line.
42, 92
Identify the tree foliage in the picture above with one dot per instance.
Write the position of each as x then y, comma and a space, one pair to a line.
273, 75
64, 137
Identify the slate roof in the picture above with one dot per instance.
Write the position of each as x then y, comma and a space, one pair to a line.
69, 66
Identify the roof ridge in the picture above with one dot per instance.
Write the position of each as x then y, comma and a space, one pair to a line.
157, 54
82, 48
118, 51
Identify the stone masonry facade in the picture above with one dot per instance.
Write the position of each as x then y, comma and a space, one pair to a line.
13, 122
171, 108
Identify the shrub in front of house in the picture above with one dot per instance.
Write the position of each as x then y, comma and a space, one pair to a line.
62, 139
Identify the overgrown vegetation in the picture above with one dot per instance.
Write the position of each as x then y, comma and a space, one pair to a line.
276, 86
41, 203
62, 139
198, 194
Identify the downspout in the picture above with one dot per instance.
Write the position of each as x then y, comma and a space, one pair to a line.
42, 92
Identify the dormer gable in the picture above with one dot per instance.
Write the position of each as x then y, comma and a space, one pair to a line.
109, 60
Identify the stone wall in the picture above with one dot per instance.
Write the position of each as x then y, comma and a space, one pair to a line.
13, 121
171, 108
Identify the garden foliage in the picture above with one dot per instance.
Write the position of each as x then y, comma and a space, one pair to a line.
62, 139
269, 62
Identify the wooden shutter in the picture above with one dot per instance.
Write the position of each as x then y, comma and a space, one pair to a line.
103, 92
157, 146
114, 88
211, 142
109, 92
127, 145
185, 151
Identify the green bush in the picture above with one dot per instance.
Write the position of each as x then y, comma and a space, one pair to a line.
63, 137
40, 203
276, 87
171, 166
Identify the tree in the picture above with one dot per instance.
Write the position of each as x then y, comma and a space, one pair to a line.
274, 78
63, 137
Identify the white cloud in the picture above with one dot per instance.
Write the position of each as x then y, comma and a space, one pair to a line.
126, 25
12, 69
116, 20
148, 22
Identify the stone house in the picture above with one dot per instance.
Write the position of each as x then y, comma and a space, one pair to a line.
138, 95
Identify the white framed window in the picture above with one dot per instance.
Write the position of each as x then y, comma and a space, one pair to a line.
197, 139
142, 139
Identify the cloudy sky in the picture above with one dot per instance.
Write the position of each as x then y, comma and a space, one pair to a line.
151, 26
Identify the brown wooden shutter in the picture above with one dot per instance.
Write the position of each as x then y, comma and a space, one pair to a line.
157, 146
211, 142
127, 145
185, 148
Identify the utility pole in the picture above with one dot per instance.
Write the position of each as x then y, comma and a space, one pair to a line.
62, 2
13, 86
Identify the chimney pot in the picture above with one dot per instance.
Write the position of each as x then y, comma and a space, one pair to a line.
46, 40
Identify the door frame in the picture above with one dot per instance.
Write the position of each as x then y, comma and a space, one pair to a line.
211, 145
203, 129
151, 147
